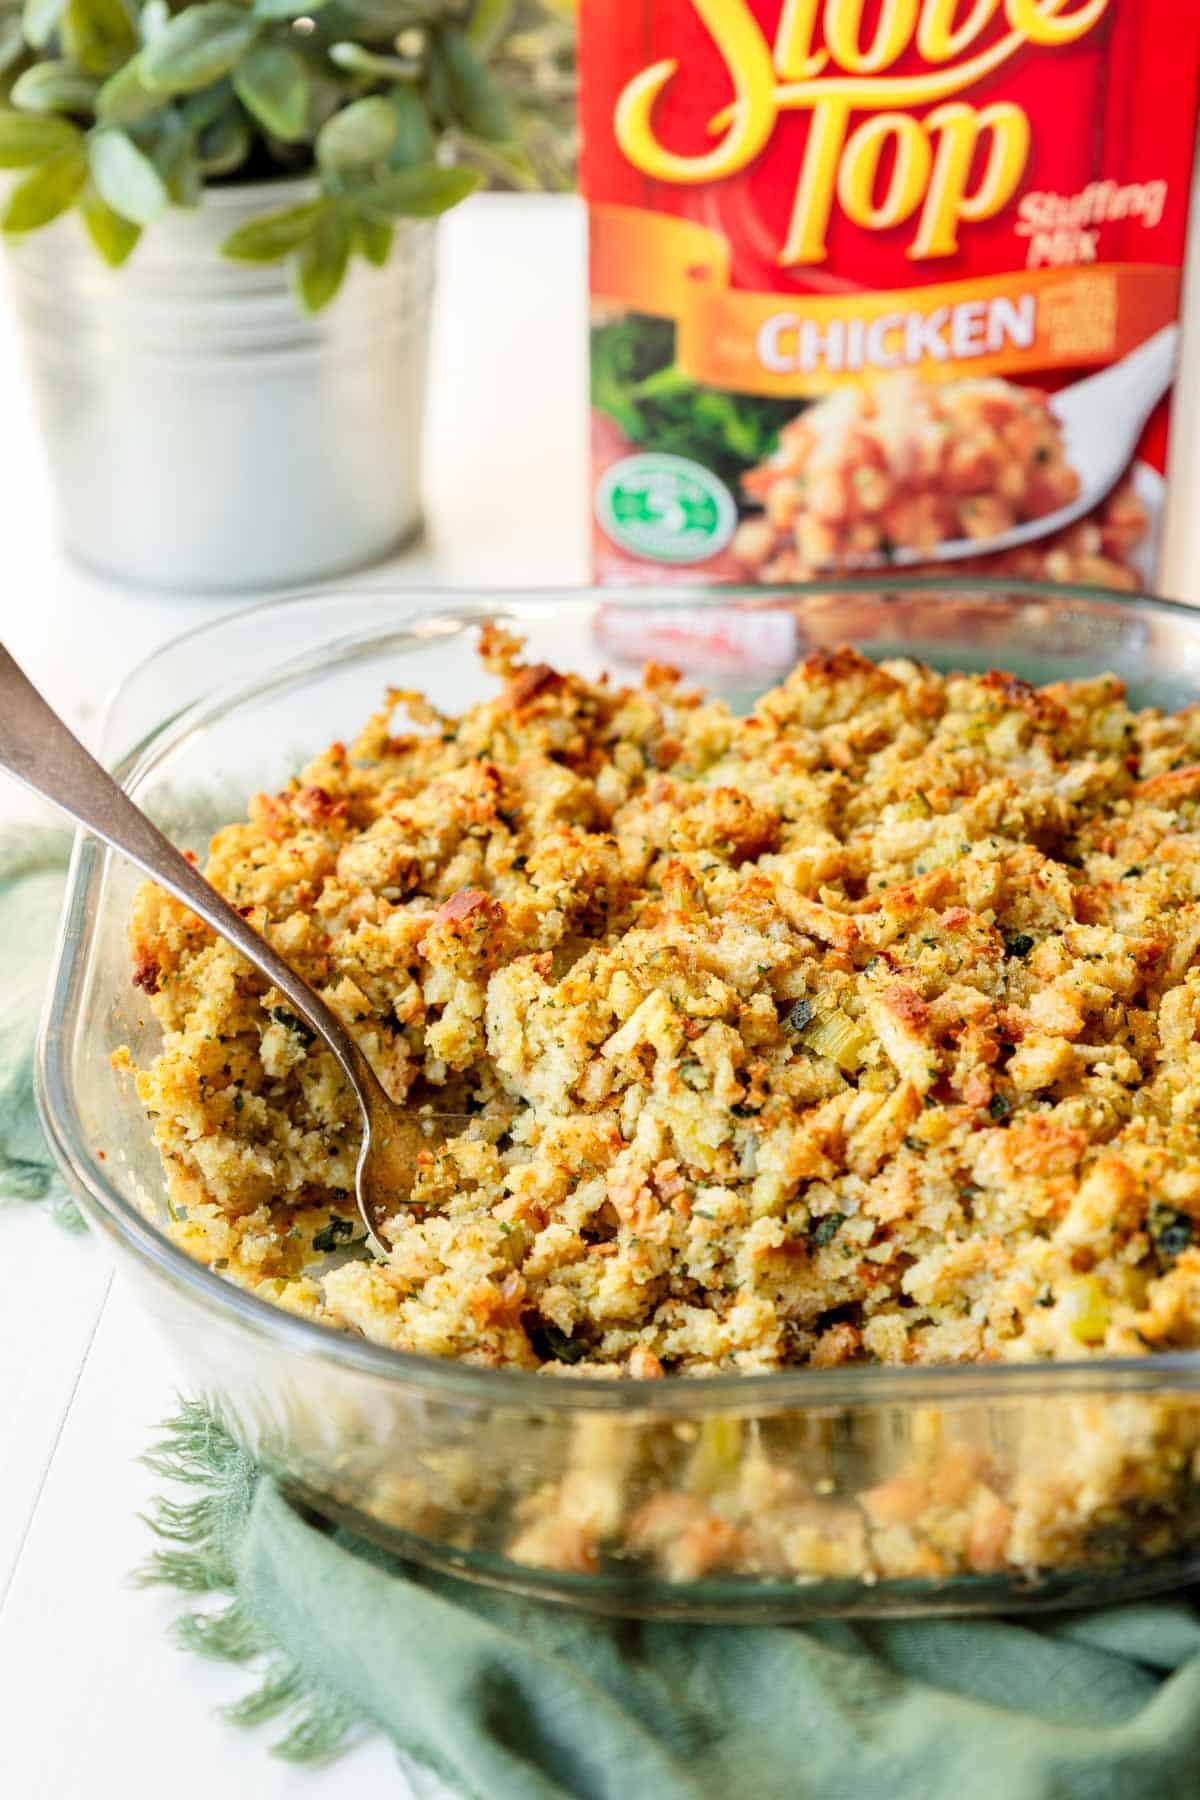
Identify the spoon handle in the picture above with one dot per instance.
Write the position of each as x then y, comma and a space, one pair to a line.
41, 752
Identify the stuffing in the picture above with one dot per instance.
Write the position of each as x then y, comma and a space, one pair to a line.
864, 1028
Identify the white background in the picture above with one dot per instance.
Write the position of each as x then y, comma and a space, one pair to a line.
94, 1699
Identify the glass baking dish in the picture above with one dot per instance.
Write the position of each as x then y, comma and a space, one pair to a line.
872, 1491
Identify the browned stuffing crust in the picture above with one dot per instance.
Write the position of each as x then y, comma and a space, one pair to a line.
863, 1028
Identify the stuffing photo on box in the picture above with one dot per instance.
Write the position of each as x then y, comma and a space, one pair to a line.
884, 284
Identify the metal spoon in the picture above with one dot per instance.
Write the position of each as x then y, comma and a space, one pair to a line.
38, 749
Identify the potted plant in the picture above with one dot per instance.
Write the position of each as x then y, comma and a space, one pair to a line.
220, 226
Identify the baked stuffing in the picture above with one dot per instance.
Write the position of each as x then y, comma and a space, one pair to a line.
859, 1029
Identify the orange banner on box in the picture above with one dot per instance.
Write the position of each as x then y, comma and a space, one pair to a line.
1024, 322
649, 261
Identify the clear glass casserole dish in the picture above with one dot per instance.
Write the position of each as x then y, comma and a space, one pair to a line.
888, 1489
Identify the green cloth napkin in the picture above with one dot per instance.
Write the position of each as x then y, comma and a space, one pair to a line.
31, 886
511, 1700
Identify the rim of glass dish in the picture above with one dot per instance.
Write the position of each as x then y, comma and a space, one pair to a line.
680, 1396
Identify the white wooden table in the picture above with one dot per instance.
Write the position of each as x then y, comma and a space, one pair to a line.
94, 1698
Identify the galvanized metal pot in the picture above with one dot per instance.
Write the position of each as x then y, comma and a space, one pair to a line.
205, 433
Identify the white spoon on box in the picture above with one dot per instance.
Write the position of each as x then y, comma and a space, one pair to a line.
1102, 418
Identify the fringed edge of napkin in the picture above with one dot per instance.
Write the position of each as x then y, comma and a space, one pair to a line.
197, 1453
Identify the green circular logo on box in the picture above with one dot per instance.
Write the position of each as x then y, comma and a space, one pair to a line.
666, 508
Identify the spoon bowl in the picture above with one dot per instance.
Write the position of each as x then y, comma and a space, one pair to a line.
38, 749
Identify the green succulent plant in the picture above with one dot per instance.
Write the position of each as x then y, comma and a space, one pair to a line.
124, 108
533, 61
